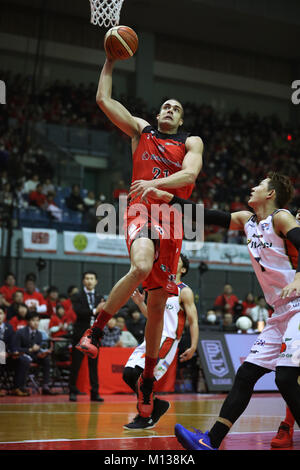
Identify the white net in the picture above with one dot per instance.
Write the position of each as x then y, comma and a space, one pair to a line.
106, 12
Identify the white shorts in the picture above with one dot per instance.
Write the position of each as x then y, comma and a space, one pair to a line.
279, 342
167, 352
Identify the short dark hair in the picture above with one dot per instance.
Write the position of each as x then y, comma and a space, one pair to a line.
10, 274
89, 272
283, 188
23, 305
70, 288
52, 289
186, 264
30, 277
31, 315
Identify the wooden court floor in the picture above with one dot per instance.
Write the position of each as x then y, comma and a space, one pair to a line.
54, 423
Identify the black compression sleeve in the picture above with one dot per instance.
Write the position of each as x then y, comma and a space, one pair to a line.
211, 217
293, 236
183, 202
215, 217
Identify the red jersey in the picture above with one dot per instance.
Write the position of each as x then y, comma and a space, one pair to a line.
8, 292
55, 320
69, 312
38, 301
224, 299
160, 155
18, 323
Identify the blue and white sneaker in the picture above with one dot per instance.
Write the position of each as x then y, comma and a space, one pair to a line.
193, 440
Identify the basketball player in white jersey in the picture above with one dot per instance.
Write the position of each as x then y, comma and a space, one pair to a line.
271, 231
178, 309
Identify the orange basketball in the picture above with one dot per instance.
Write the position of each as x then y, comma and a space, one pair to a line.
120, 43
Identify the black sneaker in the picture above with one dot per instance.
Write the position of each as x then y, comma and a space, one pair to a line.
140, 423
160, 407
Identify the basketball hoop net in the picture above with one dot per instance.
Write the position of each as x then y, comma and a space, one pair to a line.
106, 12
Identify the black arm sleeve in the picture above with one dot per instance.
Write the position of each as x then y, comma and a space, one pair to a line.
293, 236
211, 217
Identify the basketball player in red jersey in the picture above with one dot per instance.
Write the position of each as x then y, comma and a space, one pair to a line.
167, 159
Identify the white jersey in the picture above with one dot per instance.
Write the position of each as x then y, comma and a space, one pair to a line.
174, 316
273, 258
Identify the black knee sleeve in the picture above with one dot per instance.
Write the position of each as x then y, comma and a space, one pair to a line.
131, 375
248, 374
239, 396
287, 381
287, 377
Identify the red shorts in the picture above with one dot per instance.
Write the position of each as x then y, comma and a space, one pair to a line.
167, 238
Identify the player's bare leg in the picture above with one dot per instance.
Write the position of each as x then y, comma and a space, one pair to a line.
142, 257
155, 306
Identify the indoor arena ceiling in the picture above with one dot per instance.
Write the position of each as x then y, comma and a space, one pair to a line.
199, 20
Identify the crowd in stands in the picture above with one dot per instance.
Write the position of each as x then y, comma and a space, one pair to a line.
240, 149
227, 309
50, 316
51, 313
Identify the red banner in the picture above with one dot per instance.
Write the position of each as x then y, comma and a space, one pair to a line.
111, 363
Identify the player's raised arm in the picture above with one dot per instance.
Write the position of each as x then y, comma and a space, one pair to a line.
232, 221
115, 111
139, 300
238, 219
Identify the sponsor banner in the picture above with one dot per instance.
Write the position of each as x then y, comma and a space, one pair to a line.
216, 362
92, 244
39, 239
218, 253
239, 346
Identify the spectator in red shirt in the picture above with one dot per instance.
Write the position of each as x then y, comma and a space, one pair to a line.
248, 304
9, 288
59, 325
227, 300
20, 320
37, 198
120, 190
52, 300
34, 300
67, 303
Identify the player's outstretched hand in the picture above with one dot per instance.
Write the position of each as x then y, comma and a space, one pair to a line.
291, 290
139, 187
157, 194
